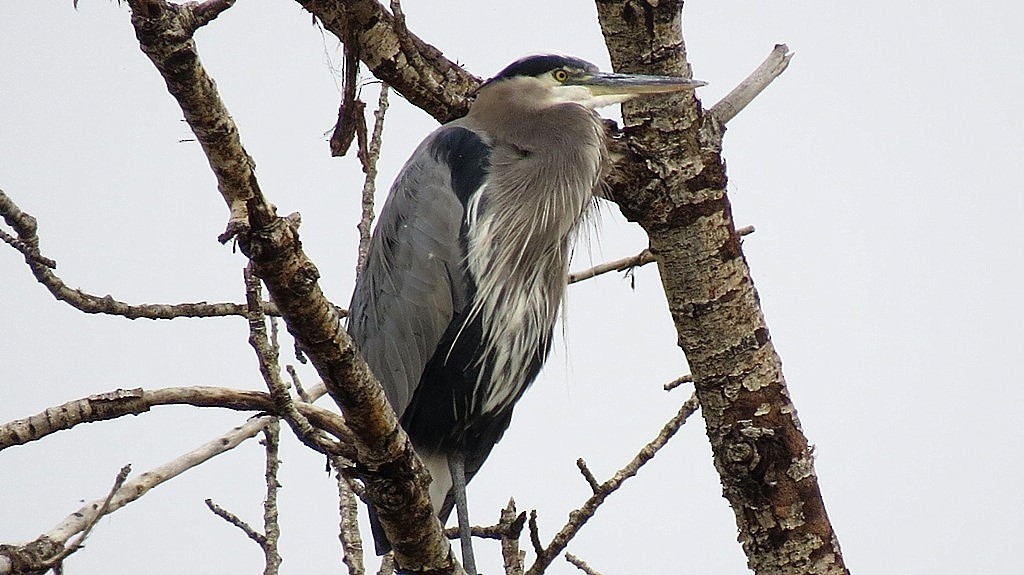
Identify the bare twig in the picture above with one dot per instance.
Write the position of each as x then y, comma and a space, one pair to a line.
123, 402
512, 524
267, 357
643, 258
351, 541
535, 533
581, 564
140, 485
76, 544
297, 383
594, 485
47, 553
271, 526
27, 242
678, 381
369, 159
579, 517
31, 253
235, 520
733, 102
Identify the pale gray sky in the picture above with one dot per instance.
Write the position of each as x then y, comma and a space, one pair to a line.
883, 173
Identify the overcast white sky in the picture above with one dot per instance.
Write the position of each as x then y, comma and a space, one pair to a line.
883, 173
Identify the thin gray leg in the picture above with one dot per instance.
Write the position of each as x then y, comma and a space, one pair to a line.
457, 466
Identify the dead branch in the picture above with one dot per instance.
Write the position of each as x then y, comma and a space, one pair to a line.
643, 258
266, 354
52, 542
45, 554
743, 94
579, 517
237, 521
369, 154
581, 564
351, 121
271, 526
351, 540
678, 381
121, 402
395, 479
27, 242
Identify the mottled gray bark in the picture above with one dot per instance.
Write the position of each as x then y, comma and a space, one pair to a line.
673, 183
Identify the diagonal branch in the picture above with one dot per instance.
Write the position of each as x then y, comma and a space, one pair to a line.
395, 479
579, 517
402, 60
52, 542
672, 181
733, 103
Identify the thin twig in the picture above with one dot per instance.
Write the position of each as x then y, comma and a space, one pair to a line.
237, 521
678, 381
271, 372
27, 242
643, 258
733, 102
30, 253
75, 545
121, 402
535, 533
271, 526
581, 564
594, 485
579, 517
369, 159
351, 540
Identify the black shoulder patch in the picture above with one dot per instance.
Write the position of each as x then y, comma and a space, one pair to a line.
466, 155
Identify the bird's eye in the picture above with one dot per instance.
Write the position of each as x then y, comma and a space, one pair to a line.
560, 75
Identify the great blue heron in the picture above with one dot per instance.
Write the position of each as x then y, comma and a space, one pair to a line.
467, 266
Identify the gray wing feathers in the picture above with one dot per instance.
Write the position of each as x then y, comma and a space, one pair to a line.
413, 279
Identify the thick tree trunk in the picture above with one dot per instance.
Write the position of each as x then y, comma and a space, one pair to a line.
673, 184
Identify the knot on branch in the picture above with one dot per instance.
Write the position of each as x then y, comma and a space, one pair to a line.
748, 457
32, 557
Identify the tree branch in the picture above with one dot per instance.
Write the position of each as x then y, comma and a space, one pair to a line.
396, 481
27, 242
52, 542
581, 564
579, 517
672, 181
121, 402
643, 258
733, 103
402, 60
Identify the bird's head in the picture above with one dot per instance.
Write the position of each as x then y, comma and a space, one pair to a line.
566, 79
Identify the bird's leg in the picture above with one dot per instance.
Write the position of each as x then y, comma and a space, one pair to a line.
457, 466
